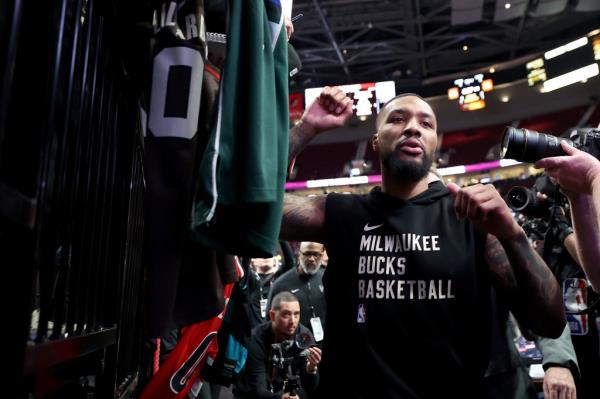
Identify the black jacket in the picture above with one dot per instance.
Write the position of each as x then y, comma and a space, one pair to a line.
257, 379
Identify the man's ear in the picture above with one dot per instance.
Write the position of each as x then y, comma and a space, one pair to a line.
271, 315
375, 142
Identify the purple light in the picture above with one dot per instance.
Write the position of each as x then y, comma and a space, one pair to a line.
374, 179
295, 185
482, 166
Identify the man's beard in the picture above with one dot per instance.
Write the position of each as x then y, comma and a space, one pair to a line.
309, 269
412, 171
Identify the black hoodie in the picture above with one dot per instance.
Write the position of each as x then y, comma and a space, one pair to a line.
407, 292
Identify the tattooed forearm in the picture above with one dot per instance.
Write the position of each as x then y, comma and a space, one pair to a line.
528, 284
300, 136
303, 218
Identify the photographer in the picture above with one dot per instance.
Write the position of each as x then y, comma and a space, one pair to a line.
578, 174
544, 210
264, 378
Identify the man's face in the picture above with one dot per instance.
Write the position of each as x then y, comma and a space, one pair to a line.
406, 138
311, 254
286, 319
264, 265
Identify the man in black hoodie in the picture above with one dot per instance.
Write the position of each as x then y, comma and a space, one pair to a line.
412, 264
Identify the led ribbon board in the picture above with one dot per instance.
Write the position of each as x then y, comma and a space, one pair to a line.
565, 65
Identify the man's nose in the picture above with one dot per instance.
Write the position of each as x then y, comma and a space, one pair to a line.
412, 128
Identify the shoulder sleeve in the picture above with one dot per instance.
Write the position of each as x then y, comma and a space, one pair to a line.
274, 290
559, 351
337, 209
280, 284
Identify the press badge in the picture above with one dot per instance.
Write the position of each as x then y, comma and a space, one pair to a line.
317, 328
575, 300
263, 308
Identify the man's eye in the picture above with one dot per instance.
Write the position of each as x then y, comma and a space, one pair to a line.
427, 124
397, 119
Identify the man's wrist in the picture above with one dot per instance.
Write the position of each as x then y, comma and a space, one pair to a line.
548, 365
595, 180
517, 234
306, 129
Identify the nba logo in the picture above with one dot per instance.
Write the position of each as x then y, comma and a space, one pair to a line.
361, 316
575, 300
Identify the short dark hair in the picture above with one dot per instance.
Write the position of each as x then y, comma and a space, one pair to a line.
283, 296
395, 98
403, 95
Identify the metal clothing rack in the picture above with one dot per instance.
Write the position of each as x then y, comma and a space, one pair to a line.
71, 201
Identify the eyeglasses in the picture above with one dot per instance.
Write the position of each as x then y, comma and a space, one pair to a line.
313, 254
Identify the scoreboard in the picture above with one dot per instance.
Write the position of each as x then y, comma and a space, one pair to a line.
368, 97
470, 92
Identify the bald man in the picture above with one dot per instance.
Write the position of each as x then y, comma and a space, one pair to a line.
306, 283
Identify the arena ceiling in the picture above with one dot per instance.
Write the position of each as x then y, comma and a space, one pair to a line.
420, 42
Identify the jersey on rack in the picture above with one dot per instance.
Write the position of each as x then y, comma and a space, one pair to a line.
240, 198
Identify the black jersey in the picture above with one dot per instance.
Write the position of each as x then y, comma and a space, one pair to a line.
408, 298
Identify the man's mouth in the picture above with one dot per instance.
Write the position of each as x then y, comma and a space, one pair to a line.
411, 147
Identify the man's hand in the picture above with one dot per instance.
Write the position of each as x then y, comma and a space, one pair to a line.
575, 172
483, 205
330, 110
289, 27
313, 360
559, 384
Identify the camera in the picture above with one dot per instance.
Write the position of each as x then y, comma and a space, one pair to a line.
288, 358
289, 351
526, 201
534, 228
530, 146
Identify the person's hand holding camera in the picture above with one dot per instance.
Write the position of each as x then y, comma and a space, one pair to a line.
313, 359
576, 172
562, 224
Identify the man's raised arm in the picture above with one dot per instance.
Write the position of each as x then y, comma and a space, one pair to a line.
578, 174
304, 217
330, 110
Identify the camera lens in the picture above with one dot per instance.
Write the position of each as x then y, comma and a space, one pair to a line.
529, 146
518, 198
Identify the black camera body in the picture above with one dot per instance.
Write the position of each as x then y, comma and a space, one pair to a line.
534, 228
530, 146
287, 358
288, 351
